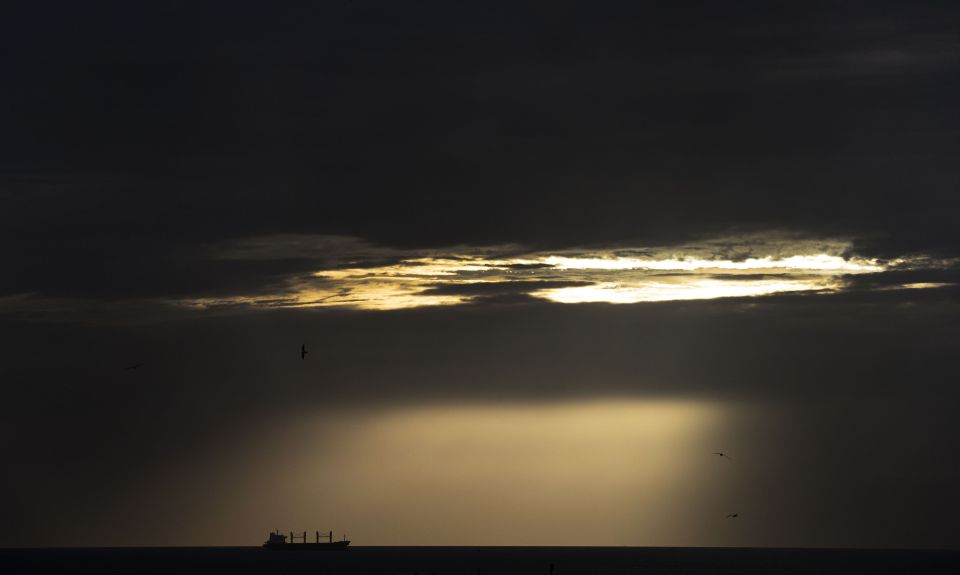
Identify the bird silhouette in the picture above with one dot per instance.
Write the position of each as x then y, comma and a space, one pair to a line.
733, 515
722, 454
132, 367
303, 351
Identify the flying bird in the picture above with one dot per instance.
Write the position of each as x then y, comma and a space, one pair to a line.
722, 454
733, 515
132, 367
303, 351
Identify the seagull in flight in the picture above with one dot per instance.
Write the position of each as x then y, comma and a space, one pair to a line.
722, 454
132, 367
303, 351
733, 515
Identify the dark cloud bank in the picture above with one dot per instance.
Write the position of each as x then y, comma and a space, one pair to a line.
137, 141
134, 134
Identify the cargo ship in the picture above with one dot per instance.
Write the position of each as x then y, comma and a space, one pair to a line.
278, 540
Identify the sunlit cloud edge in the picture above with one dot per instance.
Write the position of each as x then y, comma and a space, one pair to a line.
714, 269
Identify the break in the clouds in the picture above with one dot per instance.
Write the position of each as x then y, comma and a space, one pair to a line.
358, 275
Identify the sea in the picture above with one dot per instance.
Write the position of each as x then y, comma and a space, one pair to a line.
478, 561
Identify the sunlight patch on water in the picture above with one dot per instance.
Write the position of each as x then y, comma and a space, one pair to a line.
575, 473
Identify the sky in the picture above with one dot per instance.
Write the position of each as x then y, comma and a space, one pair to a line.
546, 259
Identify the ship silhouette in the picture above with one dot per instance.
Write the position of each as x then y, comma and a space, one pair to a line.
278, 541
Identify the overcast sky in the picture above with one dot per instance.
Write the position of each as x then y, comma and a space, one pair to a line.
545, 260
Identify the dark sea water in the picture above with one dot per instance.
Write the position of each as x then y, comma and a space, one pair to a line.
477, 561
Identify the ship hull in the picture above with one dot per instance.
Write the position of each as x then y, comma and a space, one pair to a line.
335, 546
